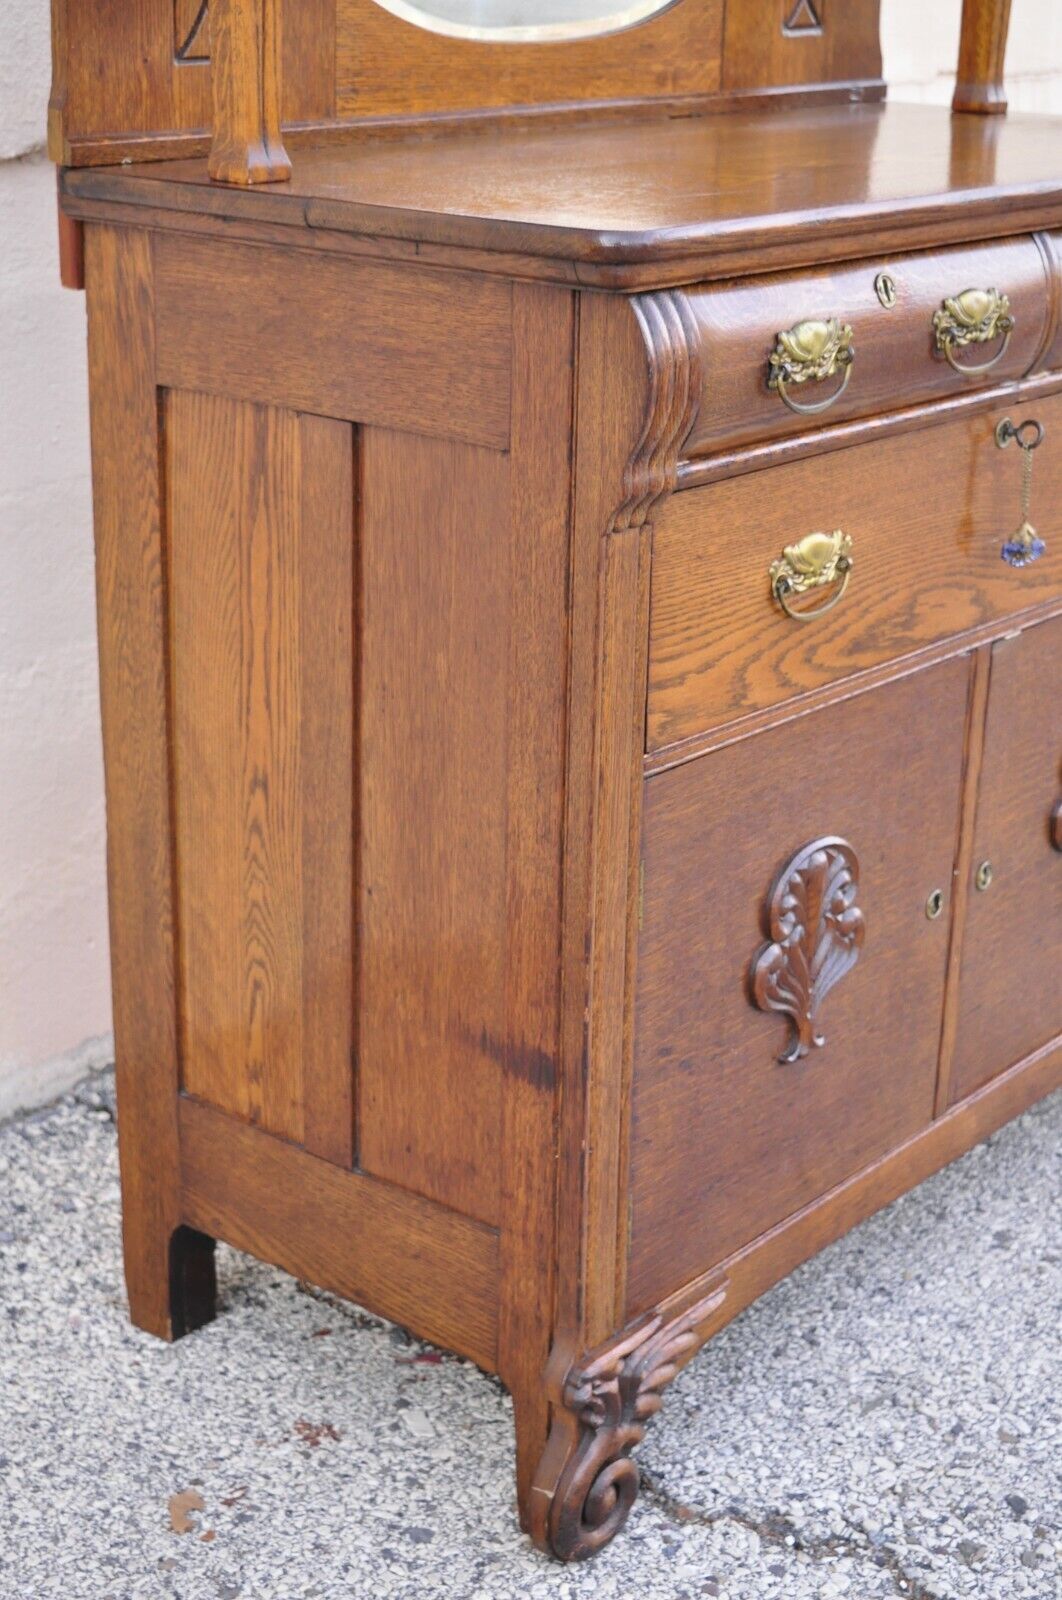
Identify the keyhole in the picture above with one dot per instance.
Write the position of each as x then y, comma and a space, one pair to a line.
885, 289
935, 904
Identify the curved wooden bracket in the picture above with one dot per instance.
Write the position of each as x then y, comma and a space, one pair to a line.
587, 1482
982, 47
245, 56
672, 349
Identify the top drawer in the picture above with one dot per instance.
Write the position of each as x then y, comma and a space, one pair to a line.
886, 349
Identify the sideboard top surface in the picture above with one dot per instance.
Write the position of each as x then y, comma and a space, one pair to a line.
633, 202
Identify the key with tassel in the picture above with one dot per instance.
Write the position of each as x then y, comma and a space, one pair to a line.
1026, 545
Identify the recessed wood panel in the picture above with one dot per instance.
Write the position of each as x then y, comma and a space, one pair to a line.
388, 67
137, 75
927, 513
727, 1140
1010, 983
429, 351
801, 41
432, 901
260, 546
433, 1271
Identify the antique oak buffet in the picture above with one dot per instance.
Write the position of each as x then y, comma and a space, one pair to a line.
581, 680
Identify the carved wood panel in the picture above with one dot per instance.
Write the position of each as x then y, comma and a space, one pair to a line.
191, 30
804, 17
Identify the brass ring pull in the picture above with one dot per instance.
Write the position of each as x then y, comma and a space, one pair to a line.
977, 366
813, 407
977, 316
811, 352
814, 562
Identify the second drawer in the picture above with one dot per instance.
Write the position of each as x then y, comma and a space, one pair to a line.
926, 515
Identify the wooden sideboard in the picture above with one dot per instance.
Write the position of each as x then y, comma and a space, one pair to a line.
581, 688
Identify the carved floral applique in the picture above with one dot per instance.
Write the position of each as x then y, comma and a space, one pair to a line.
818, 932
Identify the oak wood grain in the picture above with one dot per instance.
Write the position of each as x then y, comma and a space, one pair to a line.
759, 50
124, 86
982, 48
895, 363
131, 600
927, 513
120, 86
435, 585
962, 874
388, 67
1010, 980
726, 1140
751, 1271
403, 1257
247, 146
643, 202
347, 339
536, 725
260, 511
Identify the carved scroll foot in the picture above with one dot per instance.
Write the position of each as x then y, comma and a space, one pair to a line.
587, 1482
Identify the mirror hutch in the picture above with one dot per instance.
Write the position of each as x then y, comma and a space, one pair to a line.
580, 603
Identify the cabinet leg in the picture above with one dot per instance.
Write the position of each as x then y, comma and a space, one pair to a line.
172, 1289
587, 1480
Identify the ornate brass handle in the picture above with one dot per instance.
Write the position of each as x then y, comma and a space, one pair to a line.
811, 352
977, 316
814, 562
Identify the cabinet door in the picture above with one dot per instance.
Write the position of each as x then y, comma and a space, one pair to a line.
727, 1139
1010, 985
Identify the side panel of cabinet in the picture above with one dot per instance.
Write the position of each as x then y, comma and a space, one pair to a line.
259, 530
727, 1140
1010, 985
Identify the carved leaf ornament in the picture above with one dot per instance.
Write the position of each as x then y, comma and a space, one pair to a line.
817, 933
613, 1395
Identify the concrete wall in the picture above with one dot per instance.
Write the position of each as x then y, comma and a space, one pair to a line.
54, 1004
920, 40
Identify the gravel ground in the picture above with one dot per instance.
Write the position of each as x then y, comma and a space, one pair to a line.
885, 1423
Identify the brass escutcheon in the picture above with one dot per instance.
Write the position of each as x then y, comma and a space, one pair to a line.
811, 352
977, 316
984, 875
814, 562
885, 289
935, 904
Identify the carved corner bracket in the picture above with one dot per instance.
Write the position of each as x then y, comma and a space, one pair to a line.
817, 932
606, 1400
672, 344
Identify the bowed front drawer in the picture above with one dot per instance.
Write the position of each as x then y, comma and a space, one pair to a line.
780, 353
923, 516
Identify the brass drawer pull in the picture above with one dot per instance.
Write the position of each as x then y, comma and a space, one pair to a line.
811, 352
977, 316
814, 562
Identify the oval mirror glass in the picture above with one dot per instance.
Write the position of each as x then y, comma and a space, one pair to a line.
524, 21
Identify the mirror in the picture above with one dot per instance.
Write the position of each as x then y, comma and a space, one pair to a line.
524, 21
